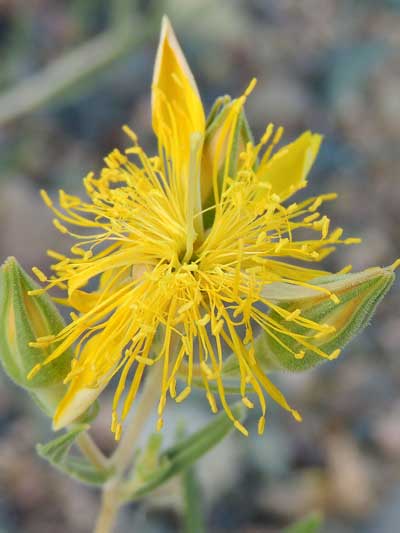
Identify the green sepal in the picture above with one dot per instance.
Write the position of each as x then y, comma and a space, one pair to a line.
219, 104
359, 295
179, 457
310, 524
241, 136
57, 453
23, 319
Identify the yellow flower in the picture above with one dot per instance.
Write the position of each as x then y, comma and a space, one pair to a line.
181, 246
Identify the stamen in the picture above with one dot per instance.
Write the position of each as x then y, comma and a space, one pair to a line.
261, 425
183, 395
39, 274
335, 354
395, 265
34, 371
46, 198
57, 224
247, 402
241, 428
211, 401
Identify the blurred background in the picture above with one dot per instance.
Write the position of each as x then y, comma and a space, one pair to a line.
72, 72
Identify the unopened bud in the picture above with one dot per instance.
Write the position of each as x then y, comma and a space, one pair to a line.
227, 133
314, 325
24, 319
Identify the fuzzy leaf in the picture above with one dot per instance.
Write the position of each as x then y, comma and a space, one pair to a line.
57, 453
178, 458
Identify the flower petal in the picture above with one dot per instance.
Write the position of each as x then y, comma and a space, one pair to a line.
287, 170
85, 384
177, 111
77, 399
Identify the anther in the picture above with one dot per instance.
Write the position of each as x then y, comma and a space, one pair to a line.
249, 404
335, 354
34, 371
118, 432
296, 415
292, 316
46, 198
211, 401
261, 425
57, 224
183, 395
241, 428
334, 298
39, 274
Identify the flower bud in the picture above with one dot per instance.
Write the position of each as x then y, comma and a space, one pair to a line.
342, 307
227, 133
24, 318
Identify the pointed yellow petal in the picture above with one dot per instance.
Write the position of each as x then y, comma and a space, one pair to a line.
287, 170
85, 384
76, 401
177, 111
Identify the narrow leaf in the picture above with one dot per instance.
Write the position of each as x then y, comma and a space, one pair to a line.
57, 453
193, 517
182, 455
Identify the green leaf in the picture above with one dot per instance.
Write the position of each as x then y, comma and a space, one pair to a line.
179, 457
310, 524
57, 449
193, 516
148, 459
57, 453
193, 521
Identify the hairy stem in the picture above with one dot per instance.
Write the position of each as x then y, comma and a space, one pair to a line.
110, 505
91, 451
122, 458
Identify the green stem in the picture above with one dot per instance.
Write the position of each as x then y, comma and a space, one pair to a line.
110, 505
192, 504
91, 451
122, 458
193, 516
123, 455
